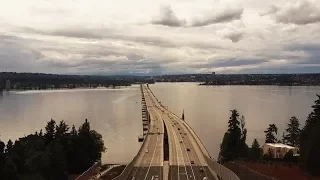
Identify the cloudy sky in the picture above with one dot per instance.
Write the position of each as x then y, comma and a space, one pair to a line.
160, 36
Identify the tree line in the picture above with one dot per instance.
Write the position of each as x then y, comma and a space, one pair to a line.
25, 81
306, 139
50, 155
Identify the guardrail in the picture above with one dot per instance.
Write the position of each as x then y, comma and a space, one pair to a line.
222, 172
89, 172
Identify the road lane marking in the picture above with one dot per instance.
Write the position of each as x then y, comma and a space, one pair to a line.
152, 158
175, 137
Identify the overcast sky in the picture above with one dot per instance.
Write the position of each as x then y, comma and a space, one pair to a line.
160, 36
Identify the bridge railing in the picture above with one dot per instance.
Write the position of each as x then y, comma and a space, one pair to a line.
128, 168
125, 173
222, 172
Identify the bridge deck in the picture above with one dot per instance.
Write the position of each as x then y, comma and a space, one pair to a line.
186, 158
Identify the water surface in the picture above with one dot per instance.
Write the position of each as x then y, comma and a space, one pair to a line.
207, 108
116, 113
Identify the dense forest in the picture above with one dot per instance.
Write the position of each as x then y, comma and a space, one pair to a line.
234, 145
50, 155
25, 81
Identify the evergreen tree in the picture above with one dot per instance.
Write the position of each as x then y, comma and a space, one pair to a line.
243, 147
9, 147
2, 157
73, 131
255, 151
233, 144
50, 131
41, 133
9, 171
52, 156
54, 160
61, 129
85, 128
309, 140
271, 133
293, 132
284, 138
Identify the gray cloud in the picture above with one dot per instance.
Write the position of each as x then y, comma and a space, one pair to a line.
296, 12
15, 56
225, 16
122, 66
272, 9
70, 32
230, 62
235, 37
157, 41
168, 18
313, 50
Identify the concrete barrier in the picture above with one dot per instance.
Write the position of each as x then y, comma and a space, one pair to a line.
90, 172
222, 172
125, 173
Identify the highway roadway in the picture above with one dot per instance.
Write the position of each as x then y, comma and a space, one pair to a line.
186, 159
186, 156
149, 164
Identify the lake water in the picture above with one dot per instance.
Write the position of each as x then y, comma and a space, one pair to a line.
116, 113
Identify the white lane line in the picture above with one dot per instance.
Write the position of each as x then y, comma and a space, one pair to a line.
176, 137
152, 157
185, 148
175, 117
192, 144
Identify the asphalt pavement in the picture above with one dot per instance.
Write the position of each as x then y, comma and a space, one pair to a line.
186, 158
